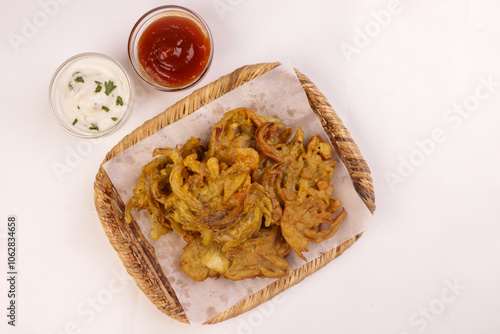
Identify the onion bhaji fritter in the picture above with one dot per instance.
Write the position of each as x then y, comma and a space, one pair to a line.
243, 203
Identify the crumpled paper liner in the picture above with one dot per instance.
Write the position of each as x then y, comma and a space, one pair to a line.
277, 93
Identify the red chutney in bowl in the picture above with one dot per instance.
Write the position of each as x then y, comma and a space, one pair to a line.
174, 51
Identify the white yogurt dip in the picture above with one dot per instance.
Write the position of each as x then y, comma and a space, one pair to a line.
93, 95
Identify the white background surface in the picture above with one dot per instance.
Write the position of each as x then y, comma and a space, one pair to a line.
431, 262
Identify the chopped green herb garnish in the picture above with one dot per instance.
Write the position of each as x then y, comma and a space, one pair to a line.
75, 121
110, 86
94, 127
99, 87
79, 79
119, 101
114, 119
106, 109
70, 86
78, 107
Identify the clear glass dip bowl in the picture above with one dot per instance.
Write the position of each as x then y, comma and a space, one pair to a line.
145, 21
83, 109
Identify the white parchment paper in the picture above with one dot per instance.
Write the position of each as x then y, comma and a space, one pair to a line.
276, 93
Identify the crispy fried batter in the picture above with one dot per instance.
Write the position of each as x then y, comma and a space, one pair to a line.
262, 255
243, 203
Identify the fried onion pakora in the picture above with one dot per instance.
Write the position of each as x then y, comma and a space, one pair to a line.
243, 203
262, 255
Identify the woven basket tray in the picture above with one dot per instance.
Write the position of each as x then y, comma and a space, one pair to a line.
138, 255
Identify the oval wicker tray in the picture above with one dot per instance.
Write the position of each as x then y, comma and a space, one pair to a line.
138, 255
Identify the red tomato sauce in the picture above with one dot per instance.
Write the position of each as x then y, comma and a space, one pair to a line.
174, 51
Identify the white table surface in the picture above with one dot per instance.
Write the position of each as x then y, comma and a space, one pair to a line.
417, 83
